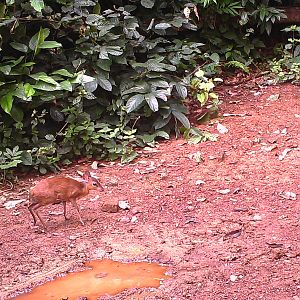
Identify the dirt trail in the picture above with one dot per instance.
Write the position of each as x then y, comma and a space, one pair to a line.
227, 227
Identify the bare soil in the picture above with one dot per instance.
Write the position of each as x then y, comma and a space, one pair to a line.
226, 227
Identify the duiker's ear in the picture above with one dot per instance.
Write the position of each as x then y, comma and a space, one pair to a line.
86, 175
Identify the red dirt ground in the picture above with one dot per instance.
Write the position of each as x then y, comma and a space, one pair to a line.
243, 244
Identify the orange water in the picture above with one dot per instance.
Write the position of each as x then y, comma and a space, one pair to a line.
106, 277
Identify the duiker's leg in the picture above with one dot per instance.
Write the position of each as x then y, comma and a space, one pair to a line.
38, 205
77, 210
65, 209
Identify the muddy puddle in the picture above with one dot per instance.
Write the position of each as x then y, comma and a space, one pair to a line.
104, 277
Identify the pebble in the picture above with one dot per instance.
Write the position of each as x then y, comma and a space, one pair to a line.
110, 207
257, 217
125, 219
136, 210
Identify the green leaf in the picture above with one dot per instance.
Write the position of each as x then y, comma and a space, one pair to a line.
202, 98
28, 64
38, 5
38, 39
90, 87
148, 138
181, 90
126, 158
66, 85
152, 102
10, 164
161, 122
104, 64
161, 94
81, 79
63, 72
50, 45
56, 114
134, 102
148, 3
297, 51
5, 69
215, 57
160, 83
2, 10
20, 91
17, 113
49, 137
104, 83
42, 170
43, 77
6, 102
93, 19
114, 50
162, 26
29, 90
181, 118
26, 158
163, 134
13, 63
20, 47
97, 9
44, 86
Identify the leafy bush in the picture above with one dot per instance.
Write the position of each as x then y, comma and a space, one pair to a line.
287, 66
80, 79
234, 29
99, 78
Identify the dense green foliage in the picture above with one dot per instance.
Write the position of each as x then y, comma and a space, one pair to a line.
287, 66
92, 77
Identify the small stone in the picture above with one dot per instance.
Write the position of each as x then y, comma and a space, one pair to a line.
201, 199
233, 278
199, 182
125, 219
73, 237
190, 207
222, 129
136, 210
124, 204
163, 175
81, 254
289, 195
134, 219
94, 165
110, 206
257, 217
224, 192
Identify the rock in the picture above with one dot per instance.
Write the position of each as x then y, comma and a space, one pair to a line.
110, 206
136, 210
256, 217
134, 219
125, 219
124, 204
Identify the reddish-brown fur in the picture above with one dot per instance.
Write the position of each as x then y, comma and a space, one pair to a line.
60, 189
